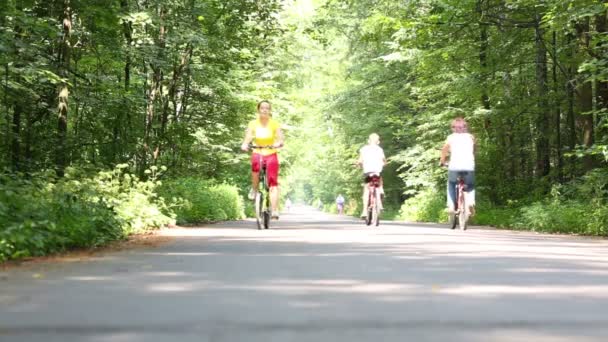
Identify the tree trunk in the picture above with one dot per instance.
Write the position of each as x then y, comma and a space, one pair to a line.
558, 114
570, 115
154, 91
585, 100
178, 72
601, 24
63, 90
16, 137
127, 27
543, 153
8, 115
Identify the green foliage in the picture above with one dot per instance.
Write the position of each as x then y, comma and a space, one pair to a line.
567, 217
203, 200
426, 206
42, 214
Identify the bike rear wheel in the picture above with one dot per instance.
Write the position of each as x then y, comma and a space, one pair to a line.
376, 211
462, 220
462, 212
453, 215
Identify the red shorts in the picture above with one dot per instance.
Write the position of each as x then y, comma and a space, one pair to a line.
272, 167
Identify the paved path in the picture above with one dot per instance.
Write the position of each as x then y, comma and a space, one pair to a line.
319, 278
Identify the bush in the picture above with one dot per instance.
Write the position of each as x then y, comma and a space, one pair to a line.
203, 200
249, 209
489, 215
426, 206
578, 207
552, 217
44, 215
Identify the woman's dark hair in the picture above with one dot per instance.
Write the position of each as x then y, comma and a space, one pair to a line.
264, 101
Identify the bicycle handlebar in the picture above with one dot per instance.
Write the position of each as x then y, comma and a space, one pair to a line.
267, 147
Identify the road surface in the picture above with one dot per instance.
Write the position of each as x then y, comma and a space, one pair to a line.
316, 277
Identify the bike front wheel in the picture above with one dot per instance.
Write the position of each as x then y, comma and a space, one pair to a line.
266, 219
259, 211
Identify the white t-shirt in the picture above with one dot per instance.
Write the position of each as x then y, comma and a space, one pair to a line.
462, 155
373, 158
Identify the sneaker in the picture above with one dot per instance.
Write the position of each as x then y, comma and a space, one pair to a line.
275, 215
251, 195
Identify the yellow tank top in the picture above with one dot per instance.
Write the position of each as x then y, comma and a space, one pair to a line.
264, 136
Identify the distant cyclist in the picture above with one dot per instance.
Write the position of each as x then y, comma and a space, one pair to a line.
264, 131
460, 146
288, 204
372, 160
340, 204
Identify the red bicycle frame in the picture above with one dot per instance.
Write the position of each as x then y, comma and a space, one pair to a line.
373, 185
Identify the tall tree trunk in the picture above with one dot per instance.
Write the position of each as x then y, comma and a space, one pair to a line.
543, 153
155, 90
570, 115
16, 137
63, 90
601, 24
7, 111
558, 113
585, 99
127, 27
178, 72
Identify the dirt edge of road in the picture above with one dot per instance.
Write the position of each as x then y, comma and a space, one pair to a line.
151, 239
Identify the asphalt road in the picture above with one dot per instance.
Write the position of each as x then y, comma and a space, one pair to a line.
316, 277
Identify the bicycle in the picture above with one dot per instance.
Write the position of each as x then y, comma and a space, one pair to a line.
262, 196
460, 216
374, 201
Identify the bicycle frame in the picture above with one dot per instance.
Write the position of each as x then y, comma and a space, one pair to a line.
461, 215
262, 200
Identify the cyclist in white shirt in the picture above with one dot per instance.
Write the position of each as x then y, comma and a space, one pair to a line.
460, 146
372, 160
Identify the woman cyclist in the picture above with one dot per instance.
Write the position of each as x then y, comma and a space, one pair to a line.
460, 146
264, 131
372, 160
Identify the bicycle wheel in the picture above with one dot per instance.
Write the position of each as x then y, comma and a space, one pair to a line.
376, 211
453, 220
462, 213
453, 216
266, 219
259, 211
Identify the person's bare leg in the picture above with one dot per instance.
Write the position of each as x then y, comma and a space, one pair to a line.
255, 180
274, 199
365, 200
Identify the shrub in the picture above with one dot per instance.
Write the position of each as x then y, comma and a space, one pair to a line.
43, 214
426, 206
203, 200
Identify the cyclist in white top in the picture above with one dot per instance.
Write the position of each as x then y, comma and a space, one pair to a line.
372, 160
461, 147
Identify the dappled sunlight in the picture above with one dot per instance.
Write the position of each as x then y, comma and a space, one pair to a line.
174, 287
330, 286
90, 278
317, 278
181, 253
533, 291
